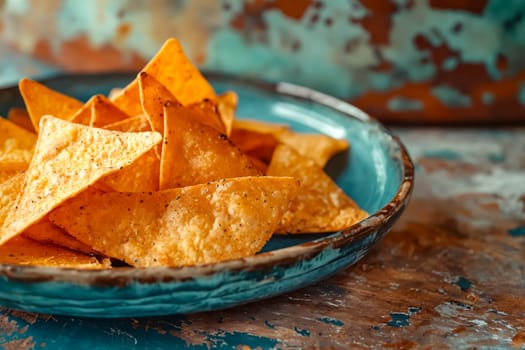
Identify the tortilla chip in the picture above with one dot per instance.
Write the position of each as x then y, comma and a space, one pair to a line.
128, 99
104, 112
194, 153
174, 70
320, 206
24, 251
227, 104
256, 144
201, 224
206, 112
68, 158
140, 176
7, 174
20, 117
259, 126
41, 100
153, 96
258, 164
319, 147
46, 232
16, 146
9, 189
84, 114
137, 123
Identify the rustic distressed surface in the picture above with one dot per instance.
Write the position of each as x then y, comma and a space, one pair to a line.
451, 274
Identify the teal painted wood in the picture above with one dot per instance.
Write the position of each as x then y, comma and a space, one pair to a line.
377, 172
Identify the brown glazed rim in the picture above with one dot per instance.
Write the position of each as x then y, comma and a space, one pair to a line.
123, 276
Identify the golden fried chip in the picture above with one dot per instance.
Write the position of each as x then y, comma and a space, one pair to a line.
319, 147
174, 70
24, 251
7, 174
20, 117
68, 158
137, 123
258, 164
200, 224
194, 153
153, 96
207, 112
9, 189
84, 114
16, 146
140, 176
46, 232
320, 205
41, 100
255, 144
128, 99
260, 126
104, 112
227, 104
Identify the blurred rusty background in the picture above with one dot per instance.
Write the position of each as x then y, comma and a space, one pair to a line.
423, 61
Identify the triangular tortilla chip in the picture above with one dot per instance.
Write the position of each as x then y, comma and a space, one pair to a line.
9, 189
20, 117
7, 174
143, 174
227, 104
137, 123
253, 143
260, 126
84, 114
320, 205
45, 232
318, 147
68, 158
128, 99
199, 224
153, 96
16, 146
174, 70
24, 251
194, 153
41, 100
140, 176
207, 112
104, 112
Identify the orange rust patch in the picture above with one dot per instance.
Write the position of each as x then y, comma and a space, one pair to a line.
465, 5
471, 79
378, 23
77, 55
293, 9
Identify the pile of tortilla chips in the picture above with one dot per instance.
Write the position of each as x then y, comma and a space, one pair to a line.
158, 173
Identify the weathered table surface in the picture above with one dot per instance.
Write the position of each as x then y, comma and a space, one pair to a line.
451, 274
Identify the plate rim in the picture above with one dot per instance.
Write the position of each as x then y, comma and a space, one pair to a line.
124, 276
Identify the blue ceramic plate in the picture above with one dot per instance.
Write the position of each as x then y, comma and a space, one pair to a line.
376, 172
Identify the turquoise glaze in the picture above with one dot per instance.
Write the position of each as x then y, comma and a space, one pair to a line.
376, 172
